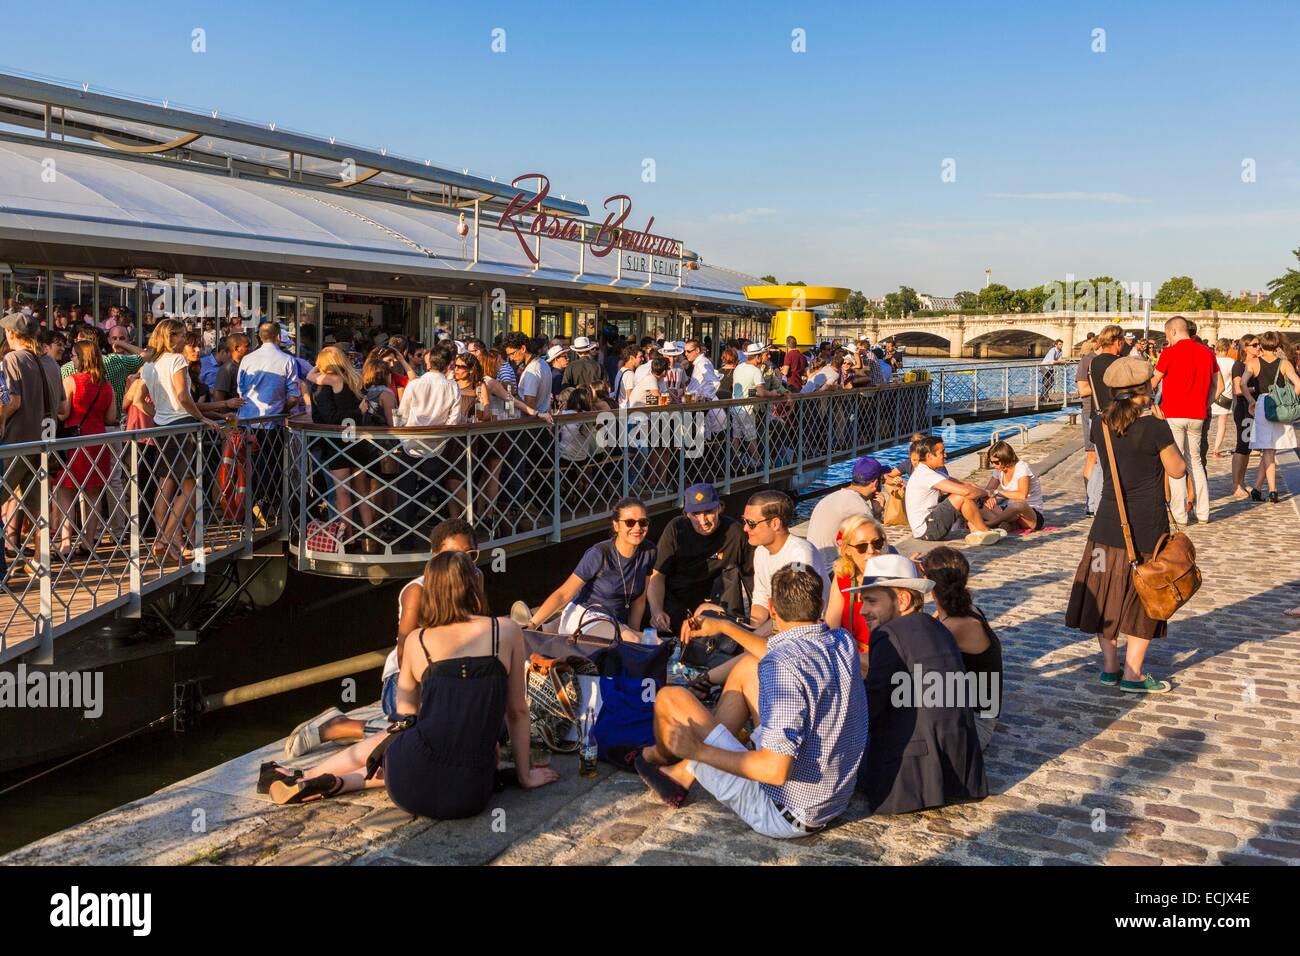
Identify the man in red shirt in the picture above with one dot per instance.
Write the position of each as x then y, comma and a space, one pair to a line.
795, 366
1188, 376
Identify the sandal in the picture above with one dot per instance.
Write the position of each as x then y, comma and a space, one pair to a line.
271, 771
624, 756
702, 686
303, 791
665, 787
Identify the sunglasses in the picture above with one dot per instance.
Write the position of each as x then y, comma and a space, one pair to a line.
875, 544
751, 525
631, 523
461, 365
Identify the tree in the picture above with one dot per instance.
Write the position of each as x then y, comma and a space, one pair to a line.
967, 301
903, 301
1175, 293
768, 280
995, 298
1214, 299
854, 307
1285, 289
797, 282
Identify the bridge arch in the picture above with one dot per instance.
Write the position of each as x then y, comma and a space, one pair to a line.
923, 343
1008, 344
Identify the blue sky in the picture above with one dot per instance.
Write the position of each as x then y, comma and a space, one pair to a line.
823, 165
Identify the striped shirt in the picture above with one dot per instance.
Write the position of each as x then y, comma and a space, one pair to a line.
813, 707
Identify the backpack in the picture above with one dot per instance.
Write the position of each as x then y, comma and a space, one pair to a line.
1281, 404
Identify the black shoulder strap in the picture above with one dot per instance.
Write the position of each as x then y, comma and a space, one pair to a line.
425, 648
496, 636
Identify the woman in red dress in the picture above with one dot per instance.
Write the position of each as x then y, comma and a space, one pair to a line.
860, 538
90, 407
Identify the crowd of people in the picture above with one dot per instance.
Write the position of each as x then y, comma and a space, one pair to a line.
799, 710
90, 377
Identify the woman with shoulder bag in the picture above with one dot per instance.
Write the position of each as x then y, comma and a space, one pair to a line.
1105, 599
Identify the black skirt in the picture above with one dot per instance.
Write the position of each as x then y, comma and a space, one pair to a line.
1103, 599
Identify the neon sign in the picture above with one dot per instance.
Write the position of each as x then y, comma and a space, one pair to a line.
610, 235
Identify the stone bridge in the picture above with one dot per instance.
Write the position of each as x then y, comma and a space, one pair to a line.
1022, 335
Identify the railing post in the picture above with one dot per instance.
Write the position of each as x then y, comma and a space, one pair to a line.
830, 427
727, 439
766, 412
1038, 386
301, 524
135, 576
555, 480
626, 446
469, 478
864, 398
199, 563
45, 651
943, 407
1006, 388
975, 392
246, 452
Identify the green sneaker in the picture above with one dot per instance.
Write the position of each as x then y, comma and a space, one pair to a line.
1147, 685
1110, 678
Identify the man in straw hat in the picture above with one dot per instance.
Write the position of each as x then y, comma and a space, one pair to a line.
923, 748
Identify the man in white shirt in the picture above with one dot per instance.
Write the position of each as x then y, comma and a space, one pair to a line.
430, 477
703, 384
747, 381
534, 373
936, 503
270, 385
631, 362
861, 497
1053, 357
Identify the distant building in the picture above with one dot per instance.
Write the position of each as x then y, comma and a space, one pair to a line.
938, 303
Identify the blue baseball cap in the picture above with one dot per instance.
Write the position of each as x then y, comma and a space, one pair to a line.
867, 470
701, 498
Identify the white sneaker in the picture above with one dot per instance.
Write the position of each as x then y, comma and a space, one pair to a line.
984, 537
520, 613
306, 736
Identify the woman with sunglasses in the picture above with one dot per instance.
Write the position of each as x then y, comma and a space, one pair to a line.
1247, 363
608, 585
860, 538
468, 375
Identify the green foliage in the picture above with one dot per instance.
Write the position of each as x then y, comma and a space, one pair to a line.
1175, 292
1285, 289
902, 302
768, 280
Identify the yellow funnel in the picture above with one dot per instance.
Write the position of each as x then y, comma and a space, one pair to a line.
795, 317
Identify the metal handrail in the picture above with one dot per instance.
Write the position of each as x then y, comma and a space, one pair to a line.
522, 482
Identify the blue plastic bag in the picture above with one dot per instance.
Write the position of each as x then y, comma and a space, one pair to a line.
627, 708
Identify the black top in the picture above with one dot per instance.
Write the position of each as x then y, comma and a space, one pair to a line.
1267, 377
444, 766
691, 562
1143, 476
584, 370
333, 408
1097, 378
987, 661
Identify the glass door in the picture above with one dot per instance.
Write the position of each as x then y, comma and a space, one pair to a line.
299, 316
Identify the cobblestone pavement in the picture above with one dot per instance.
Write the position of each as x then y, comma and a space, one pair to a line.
1080, 774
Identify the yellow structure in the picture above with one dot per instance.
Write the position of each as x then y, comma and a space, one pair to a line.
796, 303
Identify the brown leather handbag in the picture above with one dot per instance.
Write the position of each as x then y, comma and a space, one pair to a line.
1168, 579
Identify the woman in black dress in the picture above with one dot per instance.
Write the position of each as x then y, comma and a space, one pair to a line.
336, 400
463, 676
1103, 600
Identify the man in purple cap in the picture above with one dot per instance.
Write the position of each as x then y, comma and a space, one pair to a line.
862, 497
702, 556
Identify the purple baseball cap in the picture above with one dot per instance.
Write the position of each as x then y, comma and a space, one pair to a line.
867, 470
700, 498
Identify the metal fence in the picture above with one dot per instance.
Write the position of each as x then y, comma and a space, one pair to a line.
367, 498
975, 389
100, 522
94, 523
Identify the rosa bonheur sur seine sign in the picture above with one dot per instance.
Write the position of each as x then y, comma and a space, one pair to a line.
642, 250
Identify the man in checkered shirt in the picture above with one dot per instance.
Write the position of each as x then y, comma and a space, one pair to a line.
802, 687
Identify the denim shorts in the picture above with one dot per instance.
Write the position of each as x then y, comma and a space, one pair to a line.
388, 698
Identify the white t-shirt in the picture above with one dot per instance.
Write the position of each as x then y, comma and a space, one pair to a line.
158, 378
623, 384
921, 497
1053, 355
535, 385
744, 378
390, 665
1022, 470
796, 550
820, 379
643, 387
